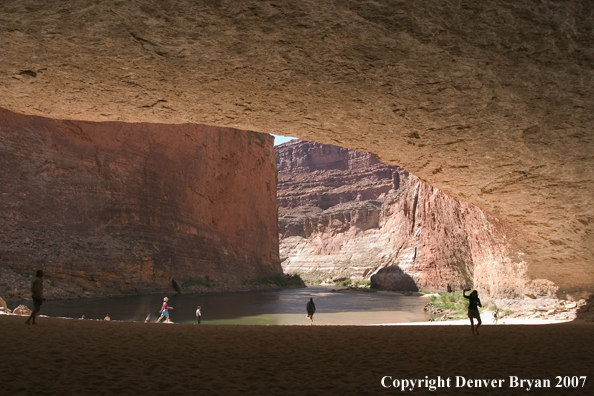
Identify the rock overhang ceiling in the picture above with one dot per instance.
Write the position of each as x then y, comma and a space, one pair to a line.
491, 102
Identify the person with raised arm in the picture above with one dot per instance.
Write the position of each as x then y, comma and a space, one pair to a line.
473, 313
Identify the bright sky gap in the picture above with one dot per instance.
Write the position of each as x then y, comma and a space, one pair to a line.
282, 139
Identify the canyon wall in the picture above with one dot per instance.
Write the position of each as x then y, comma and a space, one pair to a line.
342, 213
116, 208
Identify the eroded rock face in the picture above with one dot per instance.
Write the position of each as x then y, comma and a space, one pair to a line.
342, 213
319, 175
123, 208
22, 310
3, 306
490, 101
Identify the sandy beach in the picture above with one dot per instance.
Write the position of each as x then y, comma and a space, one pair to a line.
82, 357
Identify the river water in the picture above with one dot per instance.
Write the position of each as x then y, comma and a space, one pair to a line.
278, 307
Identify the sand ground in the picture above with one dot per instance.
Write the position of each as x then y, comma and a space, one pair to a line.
82, 357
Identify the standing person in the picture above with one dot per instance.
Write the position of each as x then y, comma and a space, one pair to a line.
198, 314
311, 310
37, 294
165, 311
473, 313
496, 316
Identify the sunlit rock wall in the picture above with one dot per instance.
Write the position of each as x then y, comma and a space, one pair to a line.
433, 240
112, 208
345, 214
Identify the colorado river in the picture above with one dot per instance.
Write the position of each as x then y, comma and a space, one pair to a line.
278, 307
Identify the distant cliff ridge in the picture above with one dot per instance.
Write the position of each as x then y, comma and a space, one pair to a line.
322, 176
116, 208
342, 213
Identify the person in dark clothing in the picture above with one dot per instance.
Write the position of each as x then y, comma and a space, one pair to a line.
37, 294
311, 310
473, 313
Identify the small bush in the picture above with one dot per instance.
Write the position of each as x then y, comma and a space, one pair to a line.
281, 280
343, 282
348, 282
454, 302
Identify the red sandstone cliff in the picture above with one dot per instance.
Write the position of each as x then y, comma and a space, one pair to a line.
112, 208
313, 174
342, 213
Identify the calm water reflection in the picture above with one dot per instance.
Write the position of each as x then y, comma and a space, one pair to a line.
280, 307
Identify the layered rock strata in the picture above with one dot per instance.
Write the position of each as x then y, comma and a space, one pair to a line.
342, 213
113, 208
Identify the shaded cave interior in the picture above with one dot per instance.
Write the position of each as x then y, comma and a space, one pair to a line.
487, 101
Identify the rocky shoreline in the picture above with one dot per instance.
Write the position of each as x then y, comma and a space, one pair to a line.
543, 309
527, 309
